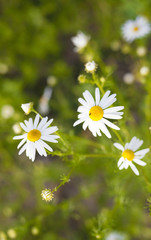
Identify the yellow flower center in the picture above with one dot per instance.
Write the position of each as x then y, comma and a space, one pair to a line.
135, 29
96, 113
128, 154
33, 135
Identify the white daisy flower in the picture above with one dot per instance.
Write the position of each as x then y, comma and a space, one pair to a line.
94, 113
36, 135
134, 29
130, 154
80, 41
27, 107
90, 67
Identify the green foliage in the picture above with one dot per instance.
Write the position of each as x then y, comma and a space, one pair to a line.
92, 198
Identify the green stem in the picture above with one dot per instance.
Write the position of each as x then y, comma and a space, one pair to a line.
33, 110
63, 182
118, 136
98, 83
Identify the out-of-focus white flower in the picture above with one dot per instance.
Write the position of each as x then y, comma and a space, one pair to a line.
47, 195
94, 113
7, 111
16, 128
90, 67
128, 78
36, 135
141, 51
12, 233
130, 154
3, 236
144, 71
80, 41
134, 29
115, 236
43, 107
35, 231
27, 107
3, 68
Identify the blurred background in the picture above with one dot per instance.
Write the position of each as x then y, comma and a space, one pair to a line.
38, 64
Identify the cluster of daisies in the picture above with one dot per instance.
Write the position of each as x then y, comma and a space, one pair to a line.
94, 115
131, 30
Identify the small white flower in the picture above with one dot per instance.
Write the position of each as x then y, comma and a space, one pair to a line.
90, 67
141, 51
144, 71
130, 154
128, 78
115, 236
134, 29
80, 41
36, 135
16, 128
94, 113
7, 111
47, 195
27, 107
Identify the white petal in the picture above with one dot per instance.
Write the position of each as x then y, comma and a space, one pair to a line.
83, 102
31, 123
134, 169
109, 101
42, 123
97, 96
118, 146
113, 109
87, 95
21, 143
45, 145
138, 143
24, 127
49, 130
28, 125
112, 116
40, 148
126, 146
36, 120
138, 161
83, 109
111, 125
142, 152
99, 133
49, 139
78, 122
22, 149
126, 164
85, 124
104, 98
104, 129
47, 125
31, 150
19, 136
121, 166
120, 161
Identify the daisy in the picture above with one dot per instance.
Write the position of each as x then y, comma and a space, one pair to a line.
80, 41
94, 113
90, 67
134, 29
130, 154
36, 135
